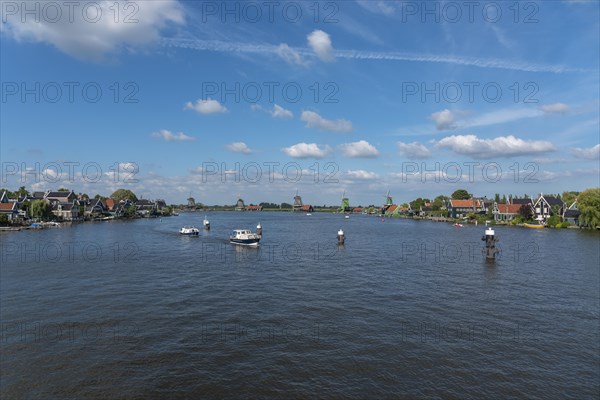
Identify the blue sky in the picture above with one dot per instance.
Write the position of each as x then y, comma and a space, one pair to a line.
262, 99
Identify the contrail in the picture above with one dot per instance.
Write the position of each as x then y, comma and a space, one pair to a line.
237, 47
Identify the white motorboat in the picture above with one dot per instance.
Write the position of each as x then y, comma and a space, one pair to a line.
189, 231
206, 223
244, 237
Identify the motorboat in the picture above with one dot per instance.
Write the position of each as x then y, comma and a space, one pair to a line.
458, 225
533, 226
206, 223
244, 237
189, 231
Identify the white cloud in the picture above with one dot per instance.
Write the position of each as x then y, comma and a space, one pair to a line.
280, 112
360, 149
361, 174
502, 146
443, 119
95, 32
378, 7
320, 43
208, 106
592, 153
172, 137
239, 147
314, 120
306, 150
290, 55
555, 108
413, 150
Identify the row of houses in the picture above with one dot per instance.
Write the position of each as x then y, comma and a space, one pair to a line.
68, 206
540, 209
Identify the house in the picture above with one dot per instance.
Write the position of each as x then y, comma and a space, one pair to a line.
95, 207
10, 209
307, 208
357, 210
145, 207
66, 211
160, 205
425, 210
120, 208
462, 208
524, 200
507, 212
546, 206
571, 214
60, 197
252, 207
110, 204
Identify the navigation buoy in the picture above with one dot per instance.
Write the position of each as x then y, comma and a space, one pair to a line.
341, 237
259, 230
490, 244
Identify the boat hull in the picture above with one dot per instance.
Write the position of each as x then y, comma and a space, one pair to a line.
532, 226
245, 242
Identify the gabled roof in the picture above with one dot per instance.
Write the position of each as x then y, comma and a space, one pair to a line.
38, 195
110, 203
553, 200
8, 206
465, 203
572, 213
391, 209
144, 202
509, 208
58, 194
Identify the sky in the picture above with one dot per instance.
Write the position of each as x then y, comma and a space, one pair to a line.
265, 99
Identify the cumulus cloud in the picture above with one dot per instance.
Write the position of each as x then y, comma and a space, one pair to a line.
591, 153
314, 120
555, 108
239, 147
208, 106
443, 119
280, 112
320, 43
290, 55
361, 174
360, 149
95, 32
413, 150
306, 150
502, 146
172, 137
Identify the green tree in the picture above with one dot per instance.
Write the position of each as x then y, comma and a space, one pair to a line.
63, 190
525, 212
569, 197
124, 194
588, 203
417, 203
3, 219
10, 194
40, 209
497, 197
22, 192
461, 194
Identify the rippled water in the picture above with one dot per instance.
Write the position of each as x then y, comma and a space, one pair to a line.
405, 309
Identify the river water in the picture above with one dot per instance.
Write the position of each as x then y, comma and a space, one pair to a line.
405, 309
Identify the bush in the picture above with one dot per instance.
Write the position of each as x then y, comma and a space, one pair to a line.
554, 220
565, 224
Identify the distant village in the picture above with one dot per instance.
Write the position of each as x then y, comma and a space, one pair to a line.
21, 208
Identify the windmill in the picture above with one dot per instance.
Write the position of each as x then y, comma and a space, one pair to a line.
240, 206
388, 202
297, 202
345, 207
191, 201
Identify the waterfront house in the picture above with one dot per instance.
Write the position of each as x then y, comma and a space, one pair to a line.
425, 210
546, 206
94, 208
10, 209
145, 207
307, 208
60, 197
507, 212
462, 208
65, 211
252, 207
571, 214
